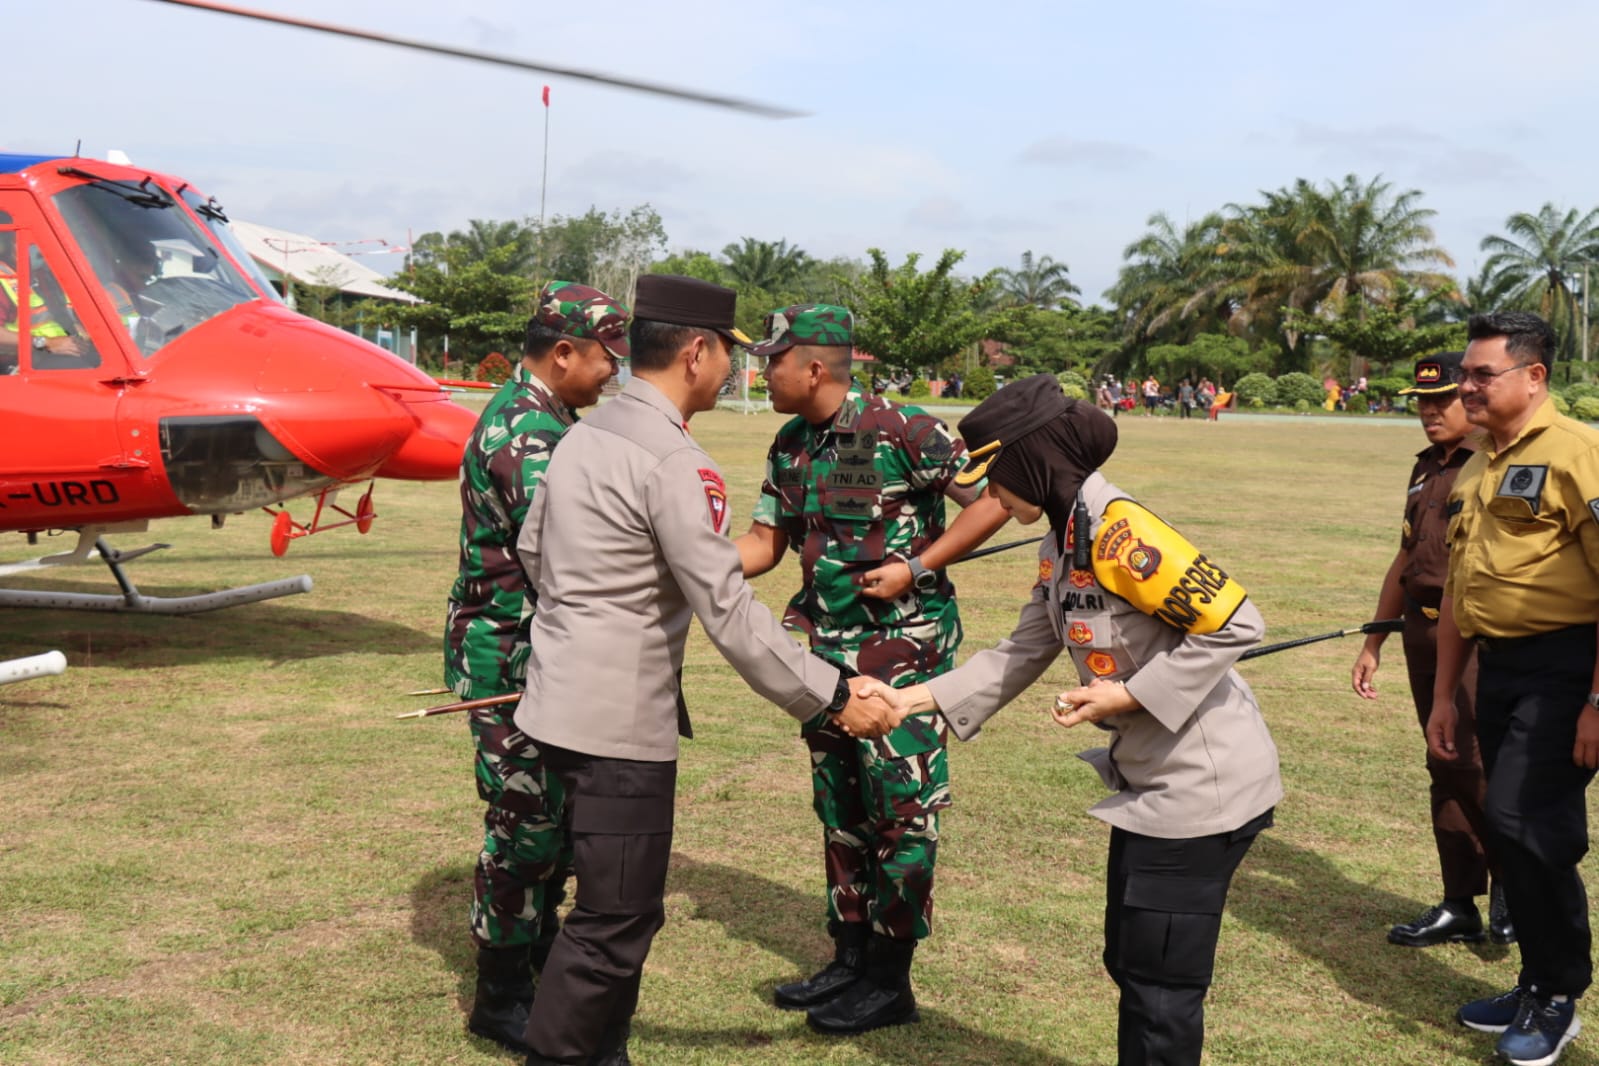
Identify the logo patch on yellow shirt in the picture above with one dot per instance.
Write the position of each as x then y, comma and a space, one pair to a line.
1524, 483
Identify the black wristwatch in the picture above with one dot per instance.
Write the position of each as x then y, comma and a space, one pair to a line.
841, 696
922, 579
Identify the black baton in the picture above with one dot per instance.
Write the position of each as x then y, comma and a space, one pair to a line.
1385, 625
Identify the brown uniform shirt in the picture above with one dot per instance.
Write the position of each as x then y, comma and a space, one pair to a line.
1424, 536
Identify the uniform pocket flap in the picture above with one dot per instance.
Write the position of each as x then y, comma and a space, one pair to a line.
1175, 895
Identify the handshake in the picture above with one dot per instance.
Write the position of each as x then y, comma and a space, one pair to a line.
875, 708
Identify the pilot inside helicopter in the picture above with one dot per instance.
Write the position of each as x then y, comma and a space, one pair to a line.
54, 346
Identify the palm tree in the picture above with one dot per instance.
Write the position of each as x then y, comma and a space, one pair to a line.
1538, 269
1162, 293
769, 265
484, 236
1041, 284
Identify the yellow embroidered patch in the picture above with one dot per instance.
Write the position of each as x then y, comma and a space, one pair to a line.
1150, 565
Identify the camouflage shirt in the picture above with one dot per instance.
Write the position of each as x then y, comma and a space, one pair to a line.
867, 487
491, 606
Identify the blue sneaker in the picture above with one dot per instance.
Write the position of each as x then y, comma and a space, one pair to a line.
1540, 1032
1494, 1014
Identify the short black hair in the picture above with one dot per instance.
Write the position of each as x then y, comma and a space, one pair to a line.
1527, 336
654, 343
540, 339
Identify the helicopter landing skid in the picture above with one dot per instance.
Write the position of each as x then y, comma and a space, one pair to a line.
132, 601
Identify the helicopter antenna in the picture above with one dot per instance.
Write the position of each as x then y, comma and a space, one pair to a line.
693, 95
77, 153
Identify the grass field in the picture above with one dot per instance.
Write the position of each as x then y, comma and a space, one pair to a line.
219, 846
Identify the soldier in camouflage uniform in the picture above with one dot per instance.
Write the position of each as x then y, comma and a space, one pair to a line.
574, 342
857, 485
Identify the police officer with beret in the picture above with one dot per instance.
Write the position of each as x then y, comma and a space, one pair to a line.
575, 341
626, 541
1523, 586
1414, 586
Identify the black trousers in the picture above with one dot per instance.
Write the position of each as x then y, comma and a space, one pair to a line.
1529, 694
1163, 904
620, 815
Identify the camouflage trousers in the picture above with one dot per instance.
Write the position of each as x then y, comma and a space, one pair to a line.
521, 872
879, 815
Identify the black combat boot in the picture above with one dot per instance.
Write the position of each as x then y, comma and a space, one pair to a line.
849, 962
1500, 928
881, 997
504, 996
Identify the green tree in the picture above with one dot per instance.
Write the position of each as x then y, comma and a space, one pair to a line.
1037, 283
1051, 341
1387, 335
910, 318
606, 250
1536, 266
1214, 355
770, 265
475, 303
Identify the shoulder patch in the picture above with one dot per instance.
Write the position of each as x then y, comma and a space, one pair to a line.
715, 498
1593, 506
1150, 565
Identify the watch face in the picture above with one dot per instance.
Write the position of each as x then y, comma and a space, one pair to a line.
926, 581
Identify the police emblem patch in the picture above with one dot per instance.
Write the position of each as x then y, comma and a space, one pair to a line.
715, 498
1101, 663
1046, 570
1081, 579
1080, 633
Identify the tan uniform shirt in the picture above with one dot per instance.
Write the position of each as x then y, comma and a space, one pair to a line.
626, 540
1198, 759
1524, 532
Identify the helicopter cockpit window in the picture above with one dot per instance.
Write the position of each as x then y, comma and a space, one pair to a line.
211, 215
54, 337
160, 270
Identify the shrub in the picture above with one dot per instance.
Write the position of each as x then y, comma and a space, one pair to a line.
494, 367
1586, 409
979, 384
1296, 386
1388, 387
1256, 390
920, 390
1357, 402
1072, 377
1573, 393
1073, 390
1302, 405
1560, 403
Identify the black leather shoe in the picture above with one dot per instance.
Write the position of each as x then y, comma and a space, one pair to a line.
1500, 929
849, 962
1442, 924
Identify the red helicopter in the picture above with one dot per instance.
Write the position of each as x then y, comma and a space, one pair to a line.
147, 370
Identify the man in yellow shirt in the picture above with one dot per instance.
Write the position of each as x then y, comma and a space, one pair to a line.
1524, 584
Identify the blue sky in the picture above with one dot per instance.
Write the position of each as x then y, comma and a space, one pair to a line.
994, 127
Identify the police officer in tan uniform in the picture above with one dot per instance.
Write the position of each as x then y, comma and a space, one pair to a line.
626, 540
1524, 586
1414, 586
1154, 626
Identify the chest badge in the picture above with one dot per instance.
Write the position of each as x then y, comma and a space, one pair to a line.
1080, 633
1102, 663
1080, 579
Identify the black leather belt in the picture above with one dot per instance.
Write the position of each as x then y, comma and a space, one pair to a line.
1505, 645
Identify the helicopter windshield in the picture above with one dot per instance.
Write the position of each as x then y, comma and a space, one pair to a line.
162, 273
210, 213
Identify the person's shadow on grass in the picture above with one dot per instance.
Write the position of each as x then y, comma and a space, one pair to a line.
1301, 898
778, 918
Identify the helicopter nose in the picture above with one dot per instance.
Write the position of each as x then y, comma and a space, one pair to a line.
432, 450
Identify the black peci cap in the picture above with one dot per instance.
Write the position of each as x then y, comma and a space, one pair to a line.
1435, 374
683, 301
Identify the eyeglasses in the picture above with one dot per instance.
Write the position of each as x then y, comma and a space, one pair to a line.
1480, 377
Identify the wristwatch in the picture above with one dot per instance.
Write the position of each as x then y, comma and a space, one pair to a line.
1593, 700
40, 344
922, 579
841, 696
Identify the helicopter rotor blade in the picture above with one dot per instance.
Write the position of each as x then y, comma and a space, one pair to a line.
692, 95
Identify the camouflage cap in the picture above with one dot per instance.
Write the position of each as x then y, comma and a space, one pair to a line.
580, 311
827, 325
